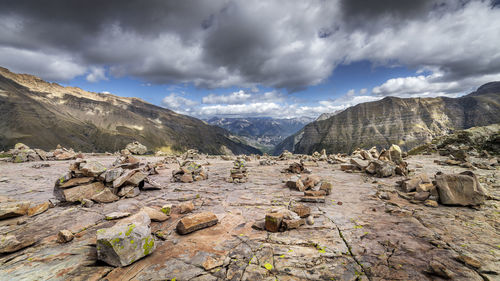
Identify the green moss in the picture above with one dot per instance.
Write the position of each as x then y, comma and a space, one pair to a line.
268, 266
130, 229
101, 230
149, 243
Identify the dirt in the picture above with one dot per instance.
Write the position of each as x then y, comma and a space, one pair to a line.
355, 235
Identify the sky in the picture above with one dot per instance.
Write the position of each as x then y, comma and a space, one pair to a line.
252, 58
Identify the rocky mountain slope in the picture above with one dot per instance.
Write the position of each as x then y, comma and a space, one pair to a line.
405, 121
262, 131
42, 115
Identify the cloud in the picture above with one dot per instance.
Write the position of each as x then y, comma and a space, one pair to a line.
233, 98
279, 44
178, 103
96, 74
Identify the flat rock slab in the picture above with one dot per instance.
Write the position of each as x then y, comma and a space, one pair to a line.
313, 199
196, 222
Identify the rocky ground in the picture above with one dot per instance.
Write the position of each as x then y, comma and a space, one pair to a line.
355, 235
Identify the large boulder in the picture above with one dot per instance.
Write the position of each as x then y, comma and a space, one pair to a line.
124, 244
381, 168
136, 148
460, 189
396, 154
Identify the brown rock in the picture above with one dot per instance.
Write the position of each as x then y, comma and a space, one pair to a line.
186, 207
421, 196
155, 215
38, 209
469, 261
13, 209
136, 178
347, 167
196, 222
301, 210
314, 193
123, 178
313, 199
64, 236
327, 187
460, 189
299, 185
186, 178
273, 222
105, 196
431, 203
10, 244
292, 224
311, 181
76, 181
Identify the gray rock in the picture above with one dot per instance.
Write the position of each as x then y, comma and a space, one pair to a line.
460, 189
136, 148
14, 209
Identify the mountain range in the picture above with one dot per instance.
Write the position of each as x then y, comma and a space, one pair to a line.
262, 132
407, 122
43, 115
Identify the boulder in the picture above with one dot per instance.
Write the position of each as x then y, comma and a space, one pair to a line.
124, 244
10, 244
460, 189
78, 193
196, 222
396, 154
381, 168
105, 196
136, 148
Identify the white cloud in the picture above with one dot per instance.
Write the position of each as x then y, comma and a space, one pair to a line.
178, 103
96, 74
233, 98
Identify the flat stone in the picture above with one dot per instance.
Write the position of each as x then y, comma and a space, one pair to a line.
136, 178
78, 193
123, 178
314, 193
196, 222
313, 199
292, 224
431, 203
186, 178
92, 168
155, 215
117, 215
38, 209
14, 209
10, 244
76, 181
105, 196
469, 261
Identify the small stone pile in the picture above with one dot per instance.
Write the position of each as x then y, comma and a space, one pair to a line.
320, 156
297, 168
390, 162
189, 171
91, 180
285, 155
239, 172
135, 148
461, 156
22, 153
461, 189
313, 187
191, 154
282, 219
267, 162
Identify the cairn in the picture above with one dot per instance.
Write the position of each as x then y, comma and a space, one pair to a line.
189, 171
239, 172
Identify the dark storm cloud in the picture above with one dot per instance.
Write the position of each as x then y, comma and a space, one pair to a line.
221, 43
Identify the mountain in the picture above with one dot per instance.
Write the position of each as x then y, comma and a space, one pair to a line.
404, 121
261, 131
42, 115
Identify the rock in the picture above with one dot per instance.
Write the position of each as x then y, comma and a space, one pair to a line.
10, 244
166, 209
92, 168
314, 193
186, 207
123, 178
310, 220
347, 167
139, 218
311, 181
186, 178
154, 214
366, 155
105, 196
299, 185
87, 203
313, 199
460, 189
113, 174
64, 236
238, 173
259, 225
76, 181
326, 187
292, 224
384, 196
360, 164
38, 209
211, 263
412, 184
196, 222
136, 148
136, 178
14, 209
440, 270
273, 222
301, 210
78, 193
431, 203
396, 155
469, 261
124, 244
421, 196
381, 168
117, 215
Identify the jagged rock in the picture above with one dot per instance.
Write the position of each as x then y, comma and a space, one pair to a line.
136, 179
123, 178
412, 184
186, 207
124, 244
154, 214
14, 209
64, 236
381, 168
78, 193
396, 154
112, 174
296, 168
92, 168
460, 189
273, 222
196, 222
292, 224
38, 209
136, 148
105, 196
189, 171
301, 210
360, 164
311, 181
76, 181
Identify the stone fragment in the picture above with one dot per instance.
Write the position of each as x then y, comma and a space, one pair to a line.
38, 209
87, 203
412, 184
421, 196
186, 178
136, 178
78, 193
292, 224
299, 185
439, 269
10, 244
311, 181
273, 222
196, 222
301, 210
64, 236
313, 199
460, 189
381, 168
315, 193
76, 181
360, 164
136, 148
14, 209
92, 168
310, 220
105, 196
396, 154
186, 207
113, 174
154, 214
469, 261
326, 187
117, 215
211, 263
124, 244
347, 167
431, 203
123, 178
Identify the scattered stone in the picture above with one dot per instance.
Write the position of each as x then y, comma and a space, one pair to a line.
411, 185
196, 222
267, 162
302, 210
297, 168
292, 224
186, 207
431, 203
326, 187
124, 244
64, 236
189, 171
460, 189
154, 214
381, 168
92, 168
136, 148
